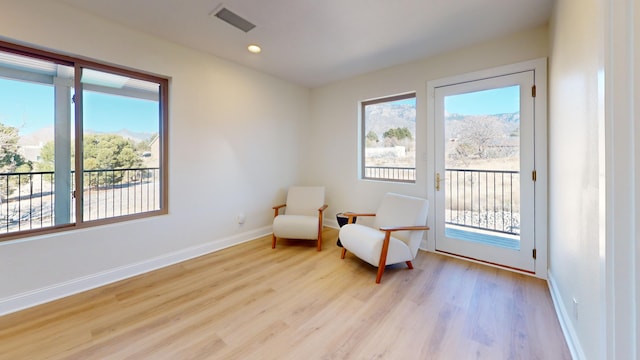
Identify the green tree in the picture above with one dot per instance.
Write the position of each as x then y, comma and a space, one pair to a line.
109, 152
398, 137
145, 145
10, 159
47, 157
101, 152
372, 138
398, 134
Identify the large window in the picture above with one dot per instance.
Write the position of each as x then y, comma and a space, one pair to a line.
389, 138
53, 107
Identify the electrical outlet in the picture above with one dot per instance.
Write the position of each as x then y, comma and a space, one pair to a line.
575, 308
241, 218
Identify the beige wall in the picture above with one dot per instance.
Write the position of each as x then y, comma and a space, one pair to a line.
576, 163
237, 139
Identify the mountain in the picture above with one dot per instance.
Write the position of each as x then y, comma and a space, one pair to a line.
384, 116
38, 137
507, 117
125, 133
44, 135
505, 125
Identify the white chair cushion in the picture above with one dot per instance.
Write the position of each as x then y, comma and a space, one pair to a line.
296, 227
366, 243
402, 210
304, 200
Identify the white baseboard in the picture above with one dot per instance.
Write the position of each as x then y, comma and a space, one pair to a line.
331, 223
54, 292
577, 353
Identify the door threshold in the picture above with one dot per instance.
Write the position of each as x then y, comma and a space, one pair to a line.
495, 265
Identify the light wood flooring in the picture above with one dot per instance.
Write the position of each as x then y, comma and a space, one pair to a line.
252, 302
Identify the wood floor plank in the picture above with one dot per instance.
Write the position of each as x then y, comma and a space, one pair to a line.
253, 302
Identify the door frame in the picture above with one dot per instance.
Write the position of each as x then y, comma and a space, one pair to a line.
539, 68
521, 258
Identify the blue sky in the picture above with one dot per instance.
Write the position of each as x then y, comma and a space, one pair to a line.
111, 113
30, 106
409, 101
487, 102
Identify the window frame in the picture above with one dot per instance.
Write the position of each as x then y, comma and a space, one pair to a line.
79, 64
363, 137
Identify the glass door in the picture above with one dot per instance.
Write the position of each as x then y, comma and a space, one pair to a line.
484, 170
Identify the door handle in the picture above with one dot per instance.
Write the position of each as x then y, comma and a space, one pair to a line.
437, 181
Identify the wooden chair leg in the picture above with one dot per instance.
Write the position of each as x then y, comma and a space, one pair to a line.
409, 264
344, 252
380, 272
320, 230
273, 241
383, 256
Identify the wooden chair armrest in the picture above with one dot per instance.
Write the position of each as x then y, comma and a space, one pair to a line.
351, 215
403, 228
276, 209
358, 214
323, 208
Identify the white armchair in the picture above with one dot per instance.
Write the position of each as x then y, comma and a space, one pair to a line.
302, 216
399, 225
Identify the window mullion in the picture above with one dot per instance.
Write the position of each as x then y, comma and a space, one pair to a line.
62, 158
79, 169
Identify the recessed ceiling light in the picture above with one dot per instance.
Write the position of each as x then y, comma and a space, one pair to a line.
254, 48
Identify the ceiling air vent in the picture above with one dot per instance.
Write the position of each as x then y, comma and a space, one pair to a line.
234, 19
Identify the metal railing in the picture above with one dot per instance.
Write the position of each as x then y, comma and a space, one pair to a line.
404, 174
483, 199
27, 200
480, 199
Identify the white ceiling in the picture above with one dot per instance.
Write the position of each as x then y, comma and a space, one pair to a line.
315, 42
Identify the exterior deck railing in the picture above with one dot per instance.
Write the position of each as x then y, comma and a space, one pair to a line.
480, 199
406, 174
24, 203
27, 200
483, 199
110, 193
